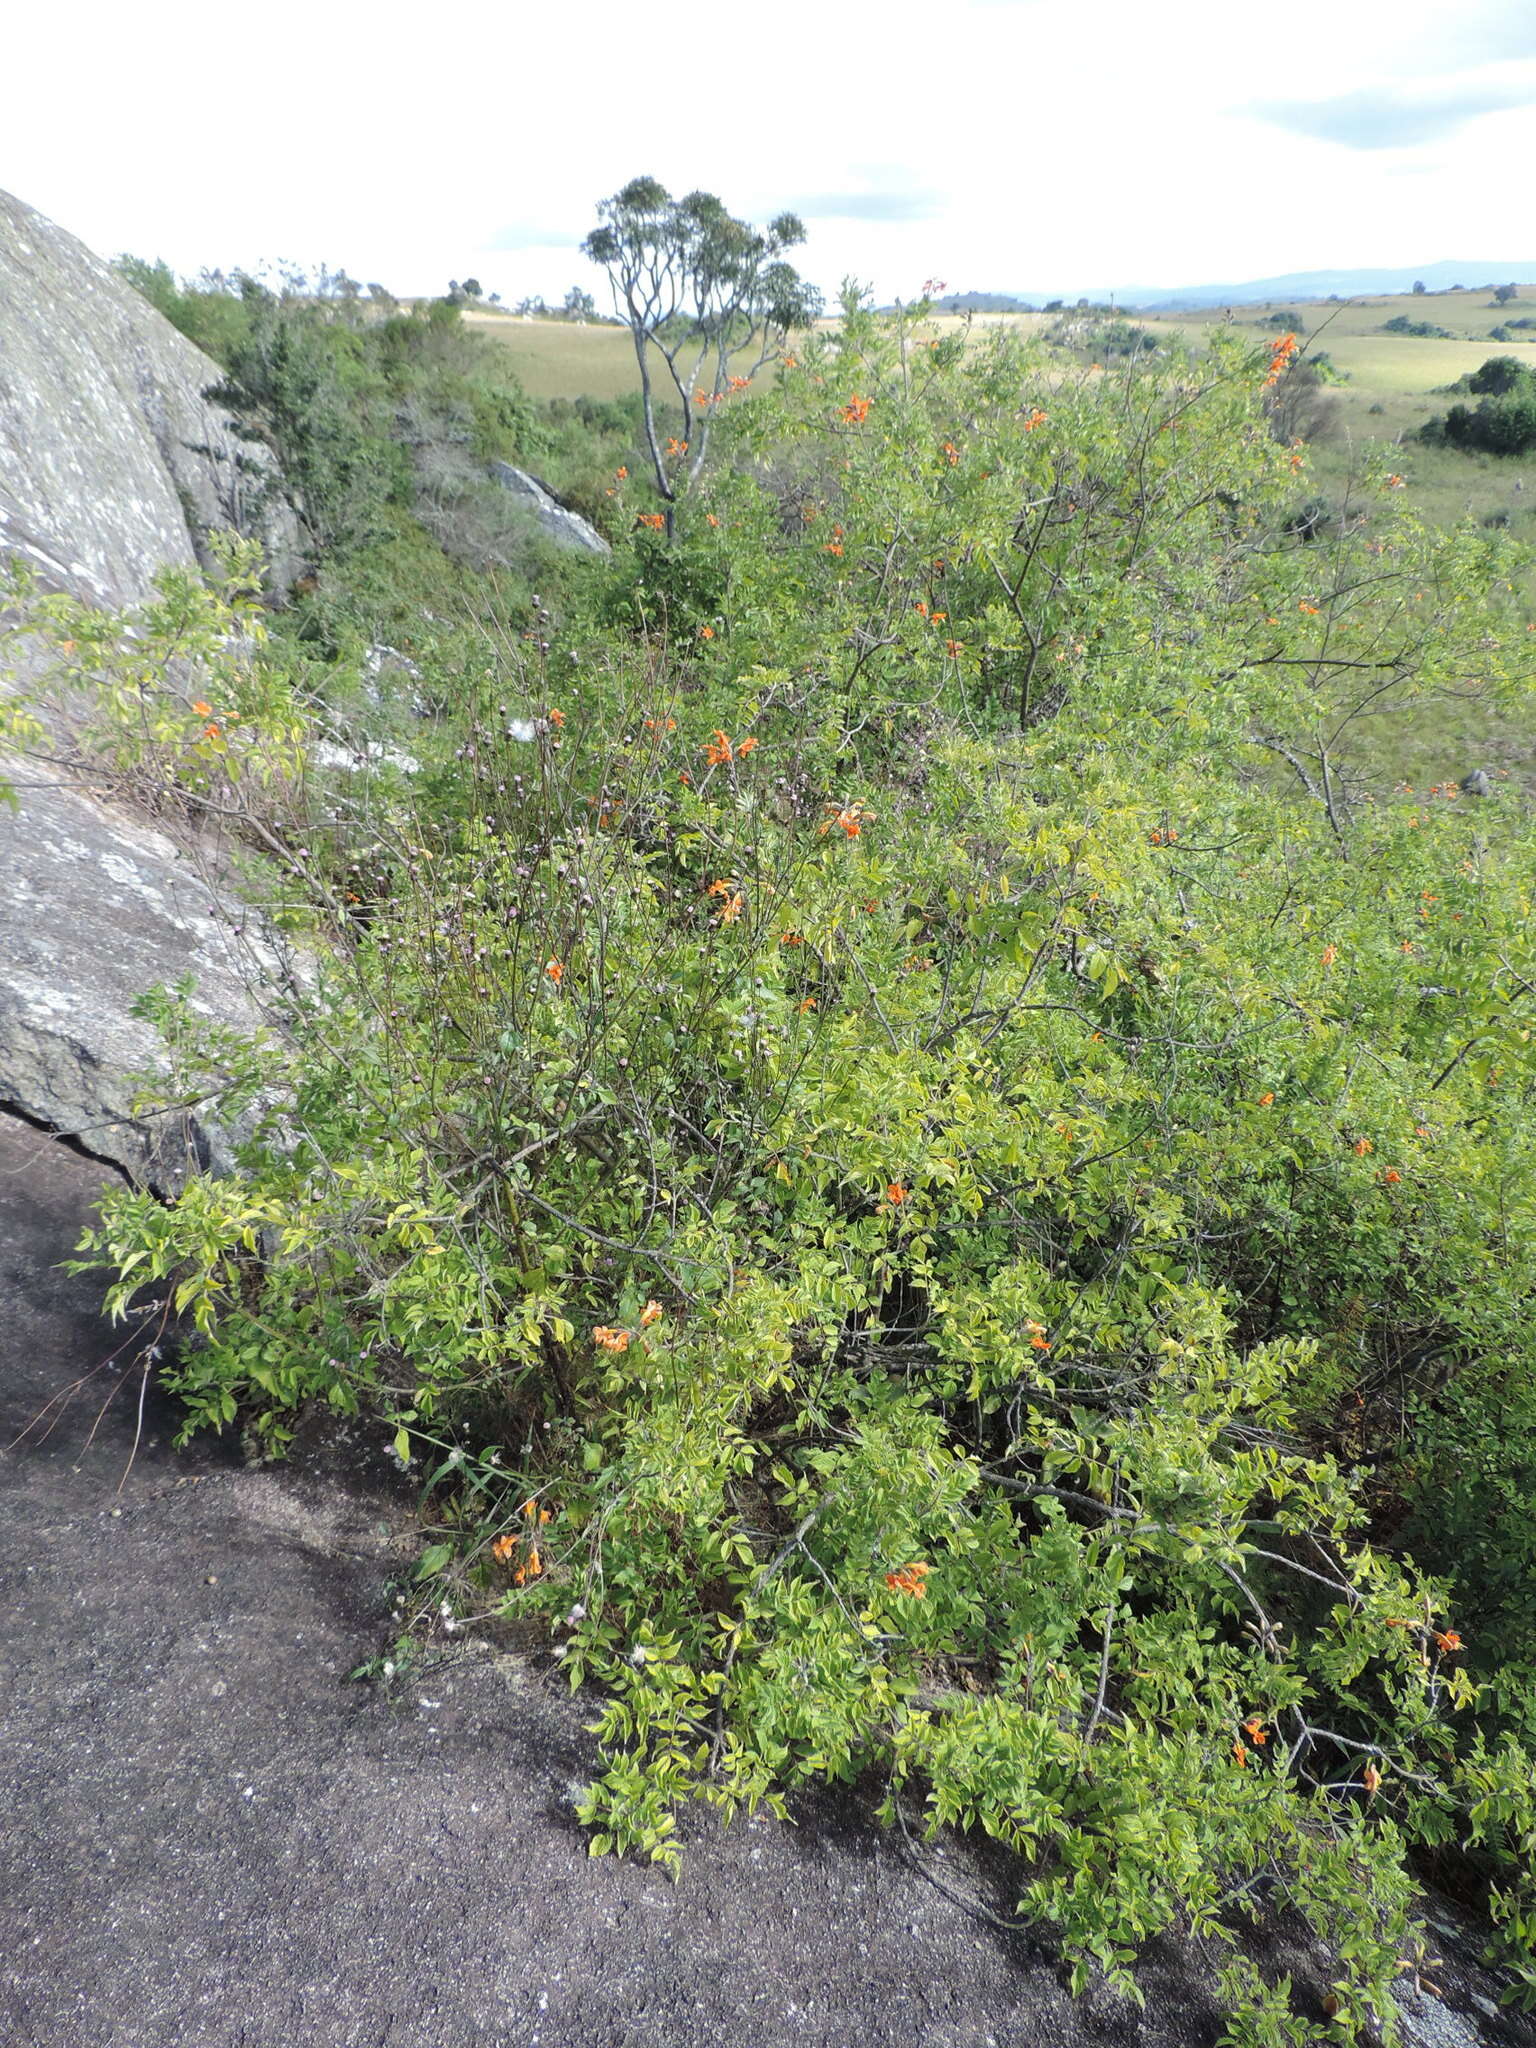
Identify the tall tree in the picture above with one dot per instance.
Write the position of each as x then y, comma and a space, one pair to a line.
708, 297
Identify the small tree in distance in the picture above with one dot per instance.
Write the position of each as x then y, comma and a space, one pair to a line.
702, 290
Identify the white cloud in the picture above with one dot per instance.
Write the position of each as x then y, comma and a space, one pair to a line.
1012, 145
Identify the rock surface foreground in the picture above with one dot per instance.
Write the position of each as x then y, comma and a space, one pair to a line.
213, 1840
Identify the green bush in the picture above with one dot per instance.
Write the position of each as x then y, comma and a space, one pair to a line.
917, 1201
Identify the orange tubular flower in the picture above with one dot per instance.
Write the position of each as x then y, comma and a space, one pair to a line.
1364, 1146
856, 411
1391, 1177
954, 649
1267, 1099
1035, 419
1370, 1778
1255, 1731
621, 474
1447, 1640
951, 453
895, 1194
909, 1580
203, 710
503, 1548
651, 1313
718, 750
706, 632
739, 383
654, 520
676, 447
732, 907
555, 971
557, 719
210, 732
1330, 954
1240, 1755
610, 1340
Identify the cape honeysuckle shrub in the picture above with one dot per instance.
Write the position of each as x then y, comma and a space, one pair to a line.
171, 696
919, 1243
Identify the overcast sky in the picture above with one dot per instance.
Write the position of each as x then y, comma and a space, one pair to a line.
1005, 145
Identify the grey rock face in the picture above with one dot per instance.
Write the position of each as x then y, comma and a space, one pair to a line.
568, 529
95, 908
112, 463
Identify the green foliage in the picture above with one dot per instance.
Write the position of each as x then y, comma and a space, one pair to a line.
917, 1199
1421, 330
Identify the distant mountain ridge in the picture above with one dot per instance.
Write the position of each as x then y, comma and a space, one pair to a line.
1295, 284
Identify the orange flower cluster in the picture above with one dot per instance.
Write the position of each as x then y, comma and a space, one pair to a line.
1391, 1177
1330, 954
1447, 1640
658, 725
555, 971
738, 383
654, 520
951, 453
1280, 354
203, 710
856, 411
1037, 1340
557, 719
789, 362
622, 474
1163, 837
849, 818
651, 1313
895, 1194
790, 939
909, 1580
610, 1340
835, 545
718, 749
676, 447
733, 901
505, 1547
1267, 1099
1035, 419
706, 632
1394, 483
1363, 1147
954, 649
1255, 1731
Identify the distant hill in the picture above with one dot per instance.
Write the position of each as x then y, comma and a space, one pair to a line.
1296, 284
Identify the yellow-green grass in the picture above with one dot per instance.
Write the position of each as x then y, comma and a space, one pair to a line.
560, 359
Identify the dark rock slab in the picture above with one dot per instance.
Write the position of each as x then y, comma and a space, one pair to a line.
212, 1840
